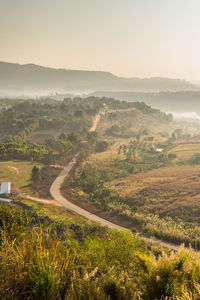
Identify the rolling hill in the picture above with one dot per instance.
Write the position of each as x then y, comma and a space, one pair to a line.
168, 101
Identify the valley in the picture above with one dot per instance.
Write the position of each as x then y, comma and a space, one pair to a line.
131, 176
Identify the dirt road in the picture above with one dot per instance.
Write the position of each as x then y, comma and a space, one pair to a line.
96, 121
56, 194
14, 169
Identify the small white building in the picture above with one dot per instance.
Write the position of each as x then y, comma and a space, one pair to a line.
159, 149
5, 188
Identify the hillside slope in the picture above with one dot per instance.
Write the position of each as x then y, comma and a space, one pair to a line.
169, 101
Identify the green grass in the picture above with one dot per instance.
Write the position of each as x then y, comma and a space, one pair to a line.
56, 213
18, 173
6, 172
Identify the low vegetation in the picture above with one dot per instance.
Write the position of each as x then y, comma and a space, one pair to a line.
45, 259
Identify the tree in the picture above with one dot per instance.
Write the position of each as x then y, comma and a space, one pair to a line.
101, 146
84, 154
64, 147
35, 174
73, 138
62, 136
177, 134
92, 138
195, 159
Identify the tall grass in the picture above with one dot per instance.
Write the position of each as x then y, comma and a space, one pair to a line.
176, 276
37, 268
38, 263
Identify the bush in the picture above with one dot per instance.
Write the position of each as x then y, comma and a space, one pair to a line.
101, 146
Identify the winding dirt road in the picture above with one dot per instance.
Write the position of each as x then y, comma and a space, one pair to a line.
56, 194
56, 186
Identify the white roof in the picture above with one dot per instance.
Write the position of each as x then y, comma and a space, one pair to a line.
159, 149
5, 188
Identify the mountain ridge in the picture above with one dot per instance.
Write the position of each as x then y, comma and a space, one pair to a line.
36, 78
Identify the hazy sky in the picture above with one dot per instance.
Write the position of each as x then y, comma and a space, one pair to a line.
127, 37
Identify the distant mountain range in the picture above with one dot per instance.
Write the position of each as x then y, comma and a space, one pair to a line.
16, 79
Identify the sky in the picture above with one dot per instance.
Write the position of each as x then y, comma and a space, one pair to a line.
130, 38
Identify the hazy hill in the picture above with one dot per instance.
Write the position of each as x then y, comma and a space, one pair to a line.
169, 101
19, 79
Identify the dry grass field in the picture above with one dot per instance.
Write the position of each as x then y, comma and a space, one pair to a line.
137, 120
184, 150
172, 191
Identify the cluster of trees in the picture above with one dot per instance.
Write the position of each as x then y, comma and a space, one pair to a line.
142, 152
21, 118
93, 145
136, 149
10, 149
63, 145
92, 179
53, 149
31, 126
72, 117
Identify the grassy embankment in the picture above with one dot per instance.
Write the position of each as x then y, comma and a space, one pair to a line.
41, 258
